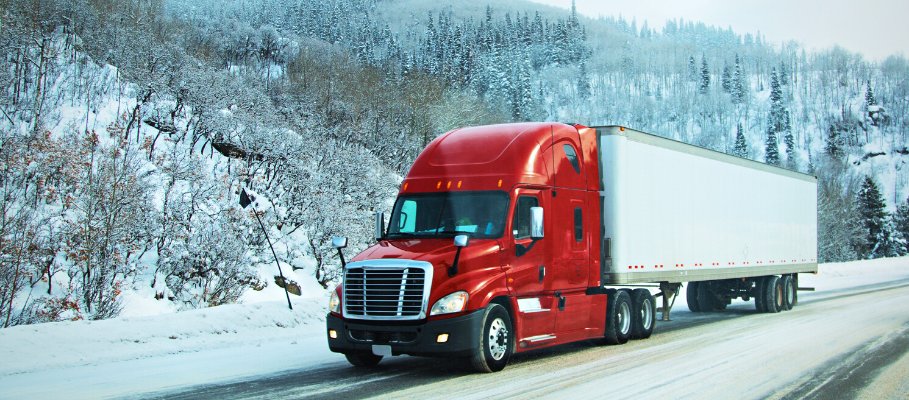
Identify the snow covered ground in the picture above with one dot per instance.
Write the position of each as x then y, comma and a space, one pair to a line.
129, 356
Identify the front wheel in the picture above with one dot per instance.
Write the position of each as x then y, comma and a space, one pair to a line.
496, 341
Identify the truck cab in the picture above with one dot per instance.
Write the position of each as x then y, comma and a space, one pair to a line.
492, 248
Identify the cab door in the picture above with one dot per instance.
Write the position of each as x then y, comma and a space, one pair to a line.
570, 236
529, 272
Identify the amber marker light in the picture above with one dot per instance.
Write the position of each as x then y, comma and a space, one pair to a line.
500, 183
448, 186
459, 184
405, 186
439, 185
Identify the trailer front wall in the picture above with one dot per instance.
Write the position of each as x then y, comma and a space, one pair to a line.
675, 212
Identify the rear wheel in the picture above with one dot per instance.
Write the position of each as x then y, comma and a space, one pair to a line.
773, 294
692, 297
644, 314
788, 292
363, 359
618, 317
496, 341
706, 300
759, 293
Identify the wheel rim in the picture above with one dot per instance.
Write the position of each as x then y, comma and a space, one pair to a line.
622, 317
646, 314
498, 339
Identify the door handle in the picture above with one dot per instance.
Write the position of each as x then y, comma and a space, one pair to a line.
542, 273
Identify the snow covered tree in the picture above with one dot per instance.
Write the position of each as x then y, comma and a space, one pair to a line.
741, 146
739, 82
771, 149
692, 69
872, 210
583, 81
833, 142
839, 229
901, 227
705, 76
870, 100
726, 79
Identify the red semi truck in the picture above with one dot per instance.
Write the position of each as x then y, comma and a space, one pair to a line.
509, 238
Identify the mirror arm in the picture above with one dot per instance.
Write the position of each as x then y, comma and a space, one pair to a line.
453, 269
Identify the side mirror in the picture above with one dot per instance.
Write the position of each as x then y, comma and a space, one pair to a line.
339, 242
461, 241
380, 225
536, 223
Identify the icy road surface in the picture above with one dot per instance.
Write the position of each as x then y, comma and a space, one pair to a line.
840, 343
850, 339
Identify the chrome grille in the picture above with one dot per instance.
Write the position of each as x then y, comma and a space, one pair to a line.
386, 289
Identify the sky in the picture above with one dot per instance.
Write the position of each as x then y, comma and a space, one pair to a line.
874, 28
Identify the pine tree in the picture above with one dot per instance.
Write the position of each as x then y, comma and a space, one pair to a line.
705, 76
741, 146
771, 149
901, 228
739, 84
869, 96
776, 93
692, 69
784, 73
583, 81
726, 79
873, 216
833, 143
790, 149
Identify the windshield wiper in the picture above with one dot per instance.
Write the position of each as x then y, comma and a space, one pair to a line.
401, 234
455, 233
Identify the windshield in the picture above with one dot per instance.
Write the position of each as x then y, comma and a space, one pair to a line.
480, 215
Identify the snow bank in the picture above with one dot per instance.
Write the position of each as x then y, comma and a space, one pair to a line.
31, 348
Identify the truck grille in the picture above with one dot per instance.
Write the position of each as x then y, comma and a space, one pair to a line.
386, 292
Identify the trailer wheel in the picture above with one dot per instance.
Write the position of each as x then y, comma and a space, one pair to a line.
363, 359
706, 300
788, 292
496, 341
795, 291
644, 316
691, 295
773, 294
759, 293
618, 317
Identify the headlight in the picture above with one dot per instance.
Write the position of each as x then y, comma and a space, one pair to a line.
452, 303
334, 305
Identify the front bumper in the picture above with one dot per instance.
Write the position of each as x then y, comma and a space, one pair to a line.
408, 338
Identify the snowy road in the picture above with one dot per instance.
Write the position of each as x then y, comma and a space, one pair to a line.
849, 342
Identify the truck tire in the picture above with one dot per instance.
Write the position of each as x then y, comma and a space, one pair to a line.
618, 317
644, 314
363, 359
706, 301
691, 295
759, 293
773, 294
496, 341
795, 291
788, 292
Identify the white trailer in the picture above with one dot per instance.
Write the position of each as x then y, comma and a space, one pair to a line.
675, 213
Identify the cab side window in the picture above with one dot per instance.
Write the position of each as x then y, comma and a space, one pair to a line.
521, 222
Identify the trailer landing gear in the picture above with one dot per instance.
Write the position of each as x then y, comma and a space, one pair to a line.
668, 291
